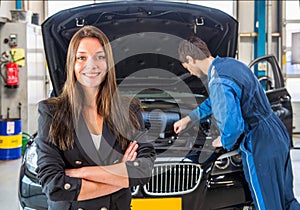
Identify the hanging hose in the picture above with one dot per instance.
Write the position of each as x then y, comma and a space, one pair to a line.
25, 138
3, 60
2, 76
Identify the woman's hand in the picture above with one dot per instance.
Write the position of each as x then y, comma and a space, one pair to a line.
75, 172
131, 152
115, 175
217, 142
180, 125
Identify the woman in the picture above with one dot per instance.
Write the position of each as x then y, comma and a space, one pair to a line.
87, 158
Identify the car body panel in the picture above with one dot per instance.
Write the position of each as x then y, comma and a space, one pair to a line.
119, 19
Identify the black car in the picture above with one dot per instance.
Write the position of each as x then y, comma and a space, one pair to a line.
189, 173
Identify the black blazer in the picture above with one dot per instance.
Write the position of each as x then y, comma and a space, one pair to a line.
61, 190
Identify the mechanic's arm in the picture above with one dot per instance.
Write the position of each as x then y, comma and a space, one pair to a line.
225, 97
201, 112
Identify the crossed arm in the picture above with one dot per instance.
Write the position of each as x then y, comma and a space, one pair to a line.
103, 180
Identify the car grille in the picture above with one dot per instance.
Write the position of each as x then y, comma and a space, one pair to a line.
173, 179
135, 190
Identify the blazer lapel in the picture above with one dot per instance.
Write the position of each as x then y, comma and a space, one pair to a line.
86, 144
107, 149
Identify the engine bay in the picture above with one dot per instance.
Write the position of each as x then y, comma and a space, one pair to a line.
159, 117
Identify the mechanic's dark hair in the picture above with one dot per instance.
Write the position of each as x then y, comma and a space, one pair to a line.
194, 47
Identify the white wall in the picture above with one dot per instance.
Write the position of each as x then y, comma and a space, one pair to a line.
37, 6
5, 7
56, 6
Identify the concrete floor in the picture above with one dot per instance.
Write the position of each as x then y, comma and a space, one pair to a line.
9, 171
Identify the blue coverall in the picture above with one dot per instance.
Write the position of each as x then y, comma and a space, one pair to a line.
239, 104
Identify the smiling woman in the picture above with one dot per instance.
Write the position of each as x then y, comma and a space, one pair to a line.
89, 151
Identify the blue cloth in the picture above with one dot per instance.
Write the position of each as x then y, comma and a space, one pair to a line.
240, 106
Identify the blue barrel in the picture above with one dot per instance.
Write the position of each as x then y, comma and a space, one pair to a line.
10, 139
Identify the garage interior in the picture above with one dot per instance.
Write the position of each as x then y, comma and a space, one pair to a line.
265, 27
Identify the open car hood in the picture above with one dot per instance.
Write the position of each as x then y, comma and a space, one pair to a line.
144, 35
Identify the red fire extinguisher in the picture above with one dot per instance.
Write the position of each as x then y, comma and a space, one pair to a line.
12, 75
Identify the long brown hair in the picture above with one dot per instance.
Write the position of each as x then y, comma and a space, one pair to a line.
109, 102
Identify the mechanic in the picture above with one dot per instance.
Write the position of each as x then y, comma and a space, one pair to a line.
242, 111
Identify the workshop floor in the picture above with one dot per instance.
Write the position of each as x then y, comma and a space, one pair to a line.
9, 171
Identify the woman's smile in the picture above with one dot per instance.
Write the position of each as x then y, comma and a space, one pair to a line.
90, 65
91, 74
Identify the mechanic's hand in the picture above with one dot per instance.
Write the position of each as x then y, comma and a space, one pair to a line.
180, 125
217, 142
131, 152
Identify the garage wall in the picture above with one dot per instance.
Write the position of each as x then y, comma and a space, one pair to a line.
39, 7
245, 15
246, 22
5, 7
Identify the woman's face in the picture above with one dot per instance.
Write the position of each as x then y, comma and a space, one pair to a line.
90, 64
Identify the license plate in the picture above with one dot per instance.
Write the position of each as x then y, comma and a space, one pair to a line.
156, 203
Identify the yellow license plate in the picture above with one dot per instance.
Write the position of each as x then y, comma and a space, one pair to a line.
156, 203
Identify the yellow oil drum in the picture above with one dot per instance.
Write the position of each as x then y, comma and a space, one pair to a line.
10, 139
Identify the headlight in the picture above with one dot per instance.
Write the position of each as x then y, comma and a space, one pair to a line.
30, 159
222, 163
227, 163
236, 160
